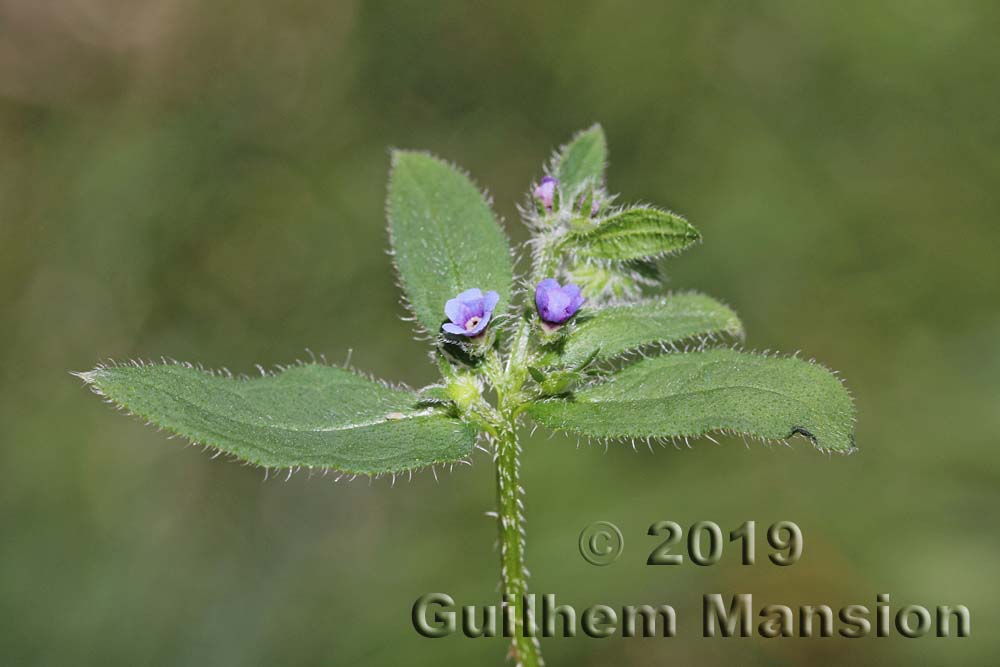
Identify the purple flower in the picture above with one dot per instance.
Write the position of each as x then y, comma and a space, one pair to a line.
470, 312
557, 304
545, 192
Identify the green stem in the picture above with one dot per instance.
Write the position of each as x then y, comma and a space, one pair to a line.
508, 382
525, 650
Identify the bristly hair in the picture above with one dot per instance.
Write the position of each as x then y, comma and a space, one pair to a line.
90, 379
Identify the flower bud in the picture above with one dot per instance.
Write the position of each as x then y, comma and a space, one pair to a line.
545, 192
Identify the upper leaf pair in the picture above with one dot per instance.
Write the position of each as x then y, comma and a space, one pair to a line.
446, 239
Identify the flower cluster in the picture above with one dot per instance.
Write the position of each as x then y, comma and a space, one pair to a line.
471, 311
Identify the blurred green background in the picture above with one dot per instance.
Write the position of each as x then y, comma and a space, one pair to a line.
206, 181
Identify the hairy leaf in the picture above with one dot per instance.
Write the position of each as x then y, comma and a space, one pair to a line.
310, 415
582, 159
681, 395
615, 330
635, 233
444, 237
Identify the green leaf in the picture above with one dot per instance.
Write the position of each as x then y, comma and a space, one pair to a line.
688, 395
581, 160
444, 237
635, 233
619, 329
310, 415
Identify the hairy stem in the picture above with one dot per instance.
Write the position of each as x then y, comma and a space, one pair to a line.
508, 381
525, 650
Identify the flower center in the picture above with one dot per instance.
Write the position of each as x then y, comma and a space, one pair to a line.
472, 323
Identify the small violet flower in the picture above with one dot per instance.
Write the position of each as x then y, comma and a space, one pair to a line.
545, 192
556, 304
470, 312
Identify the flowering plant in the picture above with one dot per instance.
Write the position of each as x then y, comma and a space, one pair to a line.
582, 356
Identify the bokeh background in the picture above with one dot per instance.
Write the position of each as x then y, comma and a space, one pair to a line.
206, 181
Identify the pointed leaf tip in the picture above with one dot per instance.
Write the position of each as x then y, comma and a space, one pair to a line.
310, 415
583, 159
444, 236
633, 234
